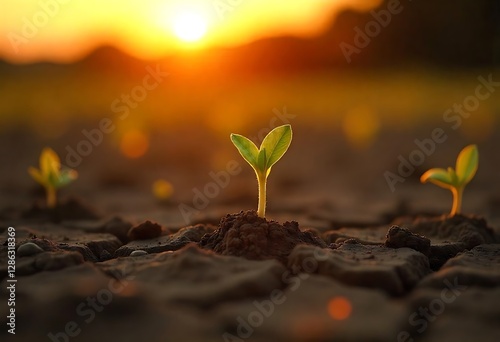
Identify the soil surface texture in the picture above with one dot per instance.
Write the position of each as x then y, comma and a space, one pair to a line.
253, 279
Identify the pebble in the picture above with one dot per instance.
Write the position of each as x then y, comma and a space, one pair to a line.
28, 248
138, 252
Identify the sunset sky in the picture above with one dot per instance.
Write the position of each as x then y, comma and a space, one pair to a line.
65, 30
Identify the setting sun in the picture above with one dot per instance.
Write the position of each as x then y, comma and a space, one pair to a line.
189, 26
153, 28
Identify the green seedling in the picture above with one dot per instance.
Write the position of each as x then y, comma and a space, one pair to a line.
272, 148
50, 175
455, 180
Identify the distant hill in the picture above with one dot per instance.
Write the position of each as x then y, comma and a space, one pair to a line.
444, 33
110, 59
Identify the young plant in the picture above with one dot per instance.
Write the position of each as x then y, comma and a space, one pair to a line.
272, 148
455, 180
50, 175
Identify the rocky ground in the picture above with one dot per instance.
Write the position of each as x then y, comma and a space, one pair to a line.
342, 256
91, 278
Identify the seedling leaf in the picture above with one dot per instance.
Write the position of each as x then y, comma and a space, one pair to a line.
37, 176
247, 149
437, 176
453, 176
276, 143
467, 163
49, 162
66, 177
50, 175
261, 161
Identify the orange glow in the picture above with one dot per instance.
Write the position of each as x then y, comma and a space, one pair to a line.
60, 30
162, 189
217, 120
339, 308
309, 327
123, 288
134, 144
361, 126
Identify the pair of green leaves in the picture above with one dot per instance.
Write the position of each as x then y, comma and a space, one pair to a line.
465, 169
272, 148
50, 175
455, 179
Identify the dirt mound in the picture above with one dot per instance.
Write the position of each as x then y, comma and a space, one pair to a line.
247, 235
450, 235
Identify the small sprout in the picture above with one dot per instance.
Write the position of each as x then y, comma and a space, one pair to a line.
272, 148
50, 175
455, 180
162, 189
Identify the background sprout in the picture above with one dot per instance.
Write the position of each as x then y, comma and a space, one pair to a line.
272, 148
50, 175
455, 180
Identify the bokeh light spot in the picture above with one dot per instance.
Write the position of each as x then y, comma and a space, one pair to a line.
339, 308
162, 189
134, 144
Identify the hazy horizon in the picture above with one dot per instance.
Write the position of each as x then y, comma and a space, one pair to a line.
65, 31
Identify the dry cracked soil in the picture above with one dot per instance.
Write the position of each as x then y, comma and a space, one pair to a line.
82, 277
